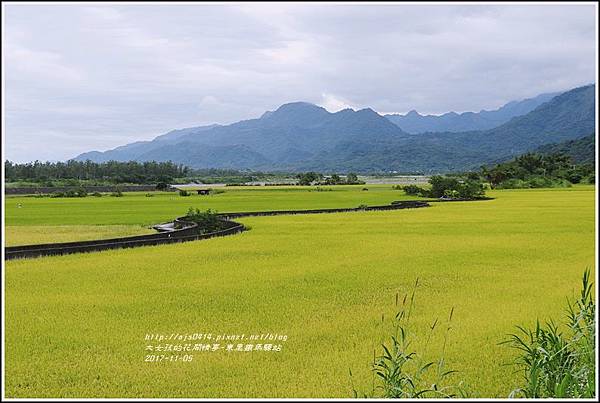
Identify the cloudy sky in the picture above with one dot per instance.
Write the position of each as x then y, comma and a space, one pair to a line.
93, 76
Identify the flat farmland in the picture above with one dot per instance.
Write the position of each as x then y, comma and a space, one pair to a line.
137, 209
76, 324
34, 220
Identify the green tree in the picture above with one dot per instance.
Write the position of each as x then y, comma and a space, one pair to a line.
446, 186
306, 179
351, 178
208, 221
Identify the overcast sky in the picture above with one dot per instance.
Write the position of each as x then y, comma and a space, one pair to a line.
91, 76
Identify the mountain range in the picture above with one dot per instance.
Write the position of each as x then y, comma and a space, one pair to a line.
300, 136
413, 122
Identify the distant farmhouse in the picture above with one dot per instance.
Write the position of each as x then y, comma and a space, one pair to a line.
200, 188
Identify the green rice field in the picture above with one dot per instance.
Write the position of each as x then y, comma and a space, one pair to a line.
137, 209
76, 324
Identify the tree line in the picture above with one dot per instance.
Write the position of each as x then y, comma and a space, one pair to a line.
111, 171
533, 170
310, 178
530, 170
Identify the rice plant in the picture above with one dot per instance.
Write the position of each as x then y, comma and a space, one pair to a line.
558, 363
323, 271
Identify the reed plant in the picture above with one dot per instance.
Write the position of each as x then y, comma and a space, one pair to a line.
403, 372
559, 361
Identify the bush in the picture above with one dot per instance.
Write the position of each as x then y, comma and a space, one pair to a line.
451, 194
513, 184
149, 195
352, 179
117, 192
162, 186
574, 177
562, 183
534, 182
445, 186
557, 364
184, 193
413, 190
441, 184
97, 194
306, 179
540, 182
592, 179
81, 192
472, 189
333, 180
208, 221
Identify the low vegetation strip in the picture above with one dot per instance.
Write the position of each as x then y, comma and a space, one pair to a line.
188, 233
16, 235
394, 206
90, 189
186, 230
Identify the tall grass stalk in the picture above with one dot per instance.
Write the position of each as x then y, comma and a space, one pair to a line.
557, 363
401, 371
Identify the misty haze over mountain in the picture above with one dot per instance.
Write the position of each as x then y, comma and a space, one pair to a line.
95, 76
413, 122
303, 136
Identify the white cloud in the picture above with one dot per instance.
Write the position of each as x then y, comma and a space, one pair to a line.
103, 13
333, 103
23, 63
290, 52
122, 73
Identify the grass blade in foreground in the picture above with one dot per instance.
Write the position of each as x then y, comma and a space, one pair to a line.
403, 372
556, 363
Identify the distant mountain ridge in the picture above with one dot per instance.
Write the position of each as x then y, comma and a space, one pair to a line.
295, 131
300, 136
132, 151
413, 122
